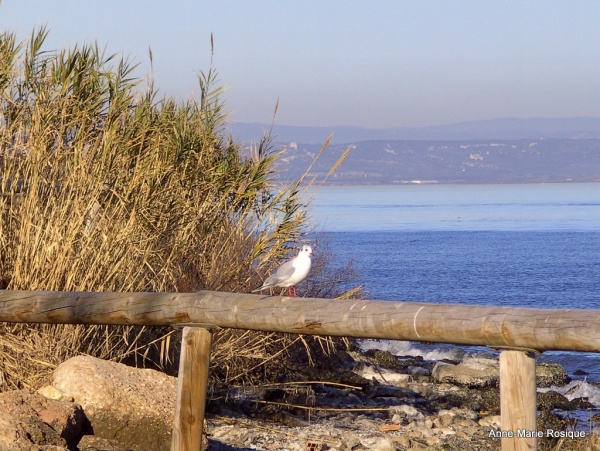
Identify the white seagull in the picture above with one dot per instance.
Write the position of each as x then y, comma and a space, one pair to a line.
290, 273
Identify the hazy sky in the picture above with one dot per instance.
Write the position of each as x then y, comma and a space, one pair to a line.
367, 63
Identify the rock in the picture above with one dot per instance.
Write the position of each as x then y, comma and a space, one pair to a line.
376, 441
476, 372
550, 375
418, 371
413, 433
445, 431
236, 435
93, 443
465, 413
491, 421
384, 358
465, 424
382, 375
402, 441
383, 391
19, 433
51, 392
29, 421
553, 400
547, 420
423, 389
481, 372
432, 441
132, 406
446, 412
443, 420
406, 411
350, 440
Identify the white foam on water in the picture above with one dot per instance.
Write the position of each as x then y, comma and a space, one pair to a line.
577, 389
407, 348
572, 390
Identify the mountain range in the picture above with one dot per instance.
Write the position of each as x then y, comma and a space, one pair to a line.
494, 151
506, 128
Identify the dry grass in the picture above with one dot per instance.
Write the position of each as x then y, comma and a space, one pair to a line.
104, 187
590, 442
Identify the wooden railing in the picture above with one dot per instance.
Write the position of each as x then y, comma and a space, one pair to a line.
518, 333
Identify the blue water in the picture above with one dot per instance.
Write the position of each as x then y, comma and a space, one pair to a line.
509, 245
559, 206
544, 269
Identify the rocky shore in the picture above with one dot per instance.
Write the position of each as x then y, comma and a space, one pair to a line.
377, 401
351, 401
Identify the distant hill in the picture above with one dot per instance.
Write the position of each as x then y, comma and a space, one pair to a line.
452, 161
492, 151
505, 129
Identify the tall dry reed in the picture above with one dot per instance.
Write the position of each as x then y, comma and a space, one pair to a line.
105, 187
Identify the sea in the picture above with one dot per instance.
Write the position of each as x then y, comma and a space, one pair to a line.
526, 245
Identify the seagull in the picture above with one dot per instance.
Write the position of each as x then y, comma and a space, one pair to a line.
290, 273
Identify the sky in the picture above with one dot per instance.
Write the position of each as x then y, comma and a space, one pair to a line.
372, 64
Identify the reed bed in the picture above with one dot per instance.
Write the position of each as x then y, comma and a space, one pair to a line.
106, 187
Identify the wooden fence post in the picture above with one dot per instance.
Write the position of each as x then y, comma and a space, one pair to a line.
192, 382
518, 407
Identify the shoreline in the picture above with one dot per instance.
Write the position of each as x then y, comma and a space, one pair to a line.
459, 182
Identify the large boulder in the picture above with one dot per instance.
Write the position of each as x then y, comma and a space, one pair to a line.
473, 373
30, 421
480, 372
550, 375
133, 406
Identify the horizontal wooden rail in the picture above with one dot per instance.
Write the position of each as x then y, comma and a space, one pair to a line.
497, 327
516, 330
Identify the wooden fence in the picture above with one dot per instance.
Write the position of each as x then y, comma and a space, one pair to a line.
518, 333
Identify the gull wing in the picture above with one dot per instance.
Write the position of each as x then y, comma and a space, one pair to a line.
283, 273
